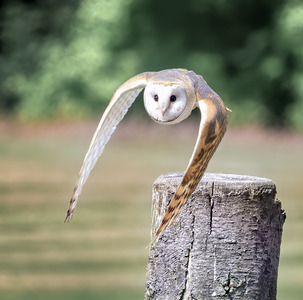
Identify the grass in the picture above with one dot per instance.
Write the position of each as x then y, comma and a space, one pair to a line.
101, 254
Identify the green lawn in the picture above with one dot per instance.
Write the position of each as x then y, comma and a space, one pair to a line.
102, 253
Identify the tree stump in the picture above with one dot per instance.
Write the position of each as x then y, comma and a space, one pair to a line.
225, 244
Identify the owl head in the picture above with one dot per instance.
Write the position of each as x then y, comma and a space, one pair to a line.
169, 101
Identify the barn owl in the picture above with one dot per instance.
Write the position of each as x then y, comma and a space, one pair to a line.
169, 97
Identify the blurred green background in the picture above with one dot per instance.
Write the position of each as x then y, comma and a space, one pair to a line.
59, 64
64, 59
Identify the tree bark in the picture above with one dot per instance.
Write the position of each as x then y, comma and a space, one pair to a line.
225, 244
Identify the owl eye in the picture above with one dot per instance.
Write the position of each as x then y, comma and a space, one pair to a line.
173, 98
156, 98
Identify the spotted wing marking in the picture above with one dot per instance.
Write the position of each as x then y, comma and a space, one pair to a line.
212, 128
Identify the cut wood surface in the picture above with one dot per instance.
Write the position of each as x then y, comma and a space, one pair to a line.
224, 245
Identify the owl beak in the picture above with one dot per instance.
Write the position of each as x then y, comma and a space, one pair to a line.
164, 107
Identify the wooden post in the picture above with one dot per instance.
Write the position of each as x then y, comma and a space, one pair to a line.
224, 245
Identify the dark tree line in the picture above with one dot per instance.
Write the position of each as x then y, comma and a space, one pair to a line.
64, 59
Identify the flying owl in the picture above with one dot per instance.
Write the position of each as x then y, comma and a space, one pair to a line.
169, 98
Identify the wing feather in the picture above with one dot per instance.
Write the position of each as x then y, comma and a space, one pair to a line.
212, 128
119, 104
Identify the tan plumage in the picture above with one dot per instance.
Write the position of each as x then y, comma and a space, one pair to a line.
212, 129
169, 98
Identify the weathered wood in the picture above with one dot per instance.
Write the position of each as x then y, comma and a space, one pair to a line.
224, 245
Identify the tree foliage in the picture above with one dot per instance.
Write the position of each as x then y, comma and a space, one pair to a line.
65, 60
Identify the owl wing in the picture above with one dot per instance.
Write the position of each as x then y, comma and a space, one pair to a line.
212, 128
119, 104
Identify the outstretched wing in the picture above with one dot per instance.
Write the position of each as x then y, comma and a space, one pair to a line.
212, 128
119, 104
